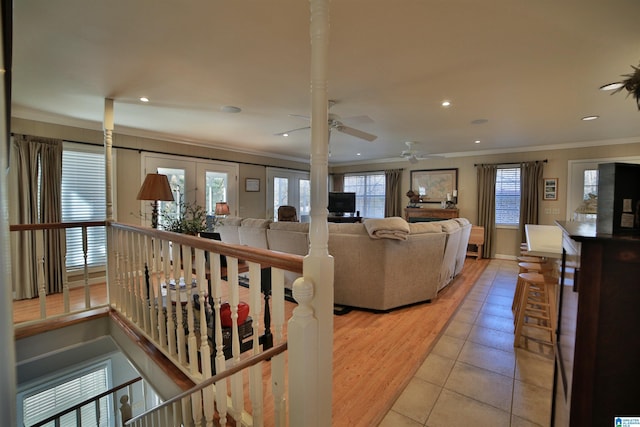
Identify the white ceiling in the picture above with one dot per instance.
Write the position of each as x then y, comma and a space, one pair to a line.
532, 69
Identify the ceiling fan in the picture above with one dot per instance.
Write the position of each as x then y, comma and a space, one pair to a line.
413, 155
335, 123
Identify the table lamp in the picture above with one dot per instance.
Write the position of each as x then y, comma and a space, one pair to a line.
155, 188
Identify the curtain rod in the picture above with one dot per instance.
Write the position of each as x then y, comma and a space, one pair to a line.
506, 164
140, 150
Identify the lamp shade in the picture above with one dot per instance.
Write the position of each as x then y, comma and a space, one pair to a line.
222, 208
155, 187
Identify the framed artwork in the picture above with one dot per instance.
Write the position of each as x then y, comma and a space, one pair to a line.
550, 189
252, 184
433, 185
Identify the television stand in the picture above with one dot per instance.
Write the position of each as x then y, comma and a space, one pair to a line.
344, 219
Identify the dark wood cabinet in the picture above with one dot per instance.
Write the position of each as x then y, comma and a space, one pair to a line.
597, 368
430, 214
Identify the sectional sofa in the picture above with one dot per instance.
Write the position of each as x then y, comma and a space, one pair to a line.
380, 264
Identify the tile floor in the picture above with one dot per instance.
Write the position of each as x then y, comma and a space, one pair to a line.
474, 376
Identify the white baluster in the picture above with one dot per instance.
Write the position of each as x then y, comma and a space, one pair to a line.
85, 255
182, 345
171, 326
216, 291
42, 290
256, 371
237, 394
277, 363
191, 340
65, 288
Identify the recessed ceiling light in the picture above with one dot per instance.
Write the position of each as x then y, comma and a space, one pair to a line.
144, 99
589, 118
285, 134
612, 86
357, 154
446, 103
231, 109
477, 141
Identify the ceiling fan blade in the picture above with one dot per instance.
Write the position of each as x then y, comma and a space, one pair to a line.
359, 119
300, 116
292, 130
357, 133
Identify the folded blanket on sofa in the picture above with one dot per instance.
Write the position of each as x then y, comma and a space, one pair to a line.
387, 228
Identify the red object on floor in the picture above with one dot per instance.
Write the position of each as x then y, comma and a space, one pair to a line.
225, 313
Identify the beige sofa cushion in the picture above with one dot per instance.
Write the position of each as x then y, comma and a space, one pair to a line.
289, 237
253, 232
424, 227
228, 229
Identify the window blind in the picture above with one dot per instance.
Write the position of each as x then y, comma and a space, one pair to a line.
45, 403
508, 196
83, 199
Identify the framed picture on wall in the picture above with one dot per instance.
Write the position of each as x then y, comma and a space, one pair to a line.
252, 184
434, 185
550, 189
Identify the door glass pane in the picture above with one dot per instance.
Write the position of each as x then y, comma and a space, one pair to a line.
280, 192
215, 189
304, 210
176, 182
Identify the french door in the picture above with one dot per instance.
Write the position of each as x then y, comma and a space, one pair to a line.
288, 187
193, 181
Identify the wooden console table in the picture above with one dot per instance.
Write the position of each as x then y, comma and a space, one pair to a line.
437, 213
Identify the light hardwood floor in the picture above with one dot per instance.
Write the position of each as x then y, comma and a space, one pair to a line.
375, 354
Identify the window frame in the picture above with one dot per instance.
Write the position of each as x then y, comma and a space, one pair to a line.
361, 198
508, 225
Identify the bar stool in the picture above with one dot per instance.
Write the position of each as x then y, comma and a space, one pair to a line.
536, 306
536, 266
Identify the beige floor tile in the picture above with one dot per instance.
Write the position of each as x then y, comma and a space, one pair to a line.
489, 358
466, 316
472, 305
497, 310
492, 338
499, 300
498, 323
476, 296
458, 329
455, 410
435, 369
482, 385
417, 400
394, 419
534, 368
532, 403
448, 347
505, 292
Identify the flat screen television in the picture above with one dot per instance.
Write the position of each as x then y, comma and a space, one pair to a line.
341, 203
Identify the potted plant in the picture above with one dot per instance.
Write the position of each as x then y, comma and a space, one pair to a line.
192, 219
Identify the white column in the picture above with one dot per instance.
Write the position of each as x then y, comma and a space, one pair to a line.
318, 265
7, 344
108, 142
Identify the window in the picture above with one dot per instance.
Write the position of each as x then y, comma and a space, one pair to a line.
288, 187
56, 396
508, 196
370, 193
590, 185
83, 199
